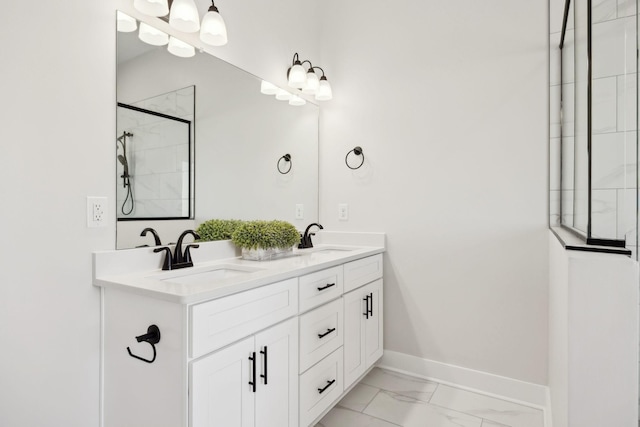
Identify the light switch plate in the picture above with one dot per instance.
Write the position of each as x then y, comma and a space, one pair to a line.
343, 212
299, 211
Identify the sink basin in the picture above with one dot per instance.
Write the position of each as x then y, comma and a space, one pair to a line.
201, 277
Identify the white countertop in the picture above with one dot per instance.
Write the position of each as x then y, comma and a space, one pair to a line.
198, 283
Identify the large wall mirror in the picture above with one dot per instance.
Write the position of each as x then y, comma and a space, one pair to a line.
202, 142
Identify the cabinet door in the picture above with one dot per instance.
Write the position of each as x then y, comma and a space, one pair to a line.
373, 346
277, 389
363, 343
221, 395
354, 315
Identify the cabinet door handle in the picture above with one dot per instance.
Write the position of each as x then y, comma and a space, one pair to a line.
264, 352
326, 333
252, 358
329, 384
366, 310
370, 309
326, 287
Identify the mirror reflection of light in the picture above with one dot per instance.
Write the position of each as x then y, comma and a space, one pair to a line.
152, 36
268, 88
125, 23
283, 95
180, 48
296, 101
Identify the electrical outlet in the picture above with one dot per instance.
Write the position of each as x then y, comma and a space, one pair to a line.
96, 212
343, 212
299, 211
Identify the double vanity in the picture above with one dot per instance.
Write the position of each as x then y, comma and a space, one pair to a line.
232, 342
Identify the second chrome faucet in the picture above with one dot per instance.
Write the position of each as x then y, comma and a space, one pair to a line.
179, 258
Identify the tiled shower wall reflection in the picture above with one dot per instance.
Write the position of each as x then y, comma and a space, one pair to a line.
614, 119
158, 156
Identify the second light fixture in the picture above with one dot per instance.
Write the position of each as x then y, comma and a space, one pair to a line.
307, 80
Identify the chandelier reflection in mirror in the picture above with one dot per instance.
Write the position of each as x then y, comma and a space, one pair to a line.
182, 15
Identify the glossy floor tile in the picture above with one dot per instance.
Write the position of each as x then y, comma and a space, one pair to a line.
385, 398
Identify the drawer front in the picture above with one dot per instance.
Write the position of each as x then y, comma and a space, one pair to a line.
362, 271
321, 333
220, 322
320, 287
320, 386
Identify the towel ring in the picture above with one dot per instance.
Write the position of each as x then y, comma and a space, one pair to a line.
286, 158
358, 152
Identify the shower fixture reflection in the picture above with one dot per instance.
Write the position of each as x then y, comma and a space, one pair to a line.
126, 178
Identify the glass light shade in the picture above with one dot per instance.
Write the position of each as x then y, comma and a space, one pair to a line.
297, 76
152, 7
312, 83
324, 90
125, 23
151, 35
296, 101
213, 31
180, 48
283, 95
268, 88
184, 16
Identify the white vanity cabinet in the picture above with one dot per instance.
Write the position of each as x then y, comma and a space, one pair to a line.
253, 382
279, 354
363, 342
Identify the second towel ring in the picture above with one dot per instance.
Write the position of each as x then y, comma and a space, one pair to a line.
286, 158
358, 152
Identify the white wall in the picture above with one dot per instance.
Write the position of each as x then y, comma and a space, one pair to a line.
58, 140
448, 101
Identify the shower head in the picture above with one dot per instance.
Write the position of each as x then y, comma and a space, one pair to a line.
122, 160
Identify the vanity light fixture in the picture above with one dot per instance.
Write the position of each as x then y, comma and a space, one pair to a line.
152, 36
125, 23
152, 7
268, 88
307, 80
180, 48
183, 16
296, 74
213, 30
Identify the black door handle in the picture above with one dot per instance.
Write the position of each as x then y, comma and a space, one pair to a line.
326, 287
366, 310
252, 358
264, 352
371, 304
326, 333
329, 384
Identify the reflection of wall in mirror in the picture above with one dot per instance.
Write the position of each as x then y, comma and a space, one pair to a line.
240, 135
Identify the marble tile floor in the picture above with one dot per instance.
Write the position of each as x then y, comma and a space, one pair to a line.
389, 399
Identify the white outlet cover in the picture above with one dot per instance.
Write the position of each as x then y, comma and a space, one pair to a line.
96, 212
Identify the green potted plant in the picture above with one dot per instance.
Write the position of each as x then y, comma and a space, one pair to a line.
217, 229
263, 240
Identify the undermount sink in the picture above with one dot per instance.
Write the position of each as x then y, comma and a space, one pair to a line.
201, 277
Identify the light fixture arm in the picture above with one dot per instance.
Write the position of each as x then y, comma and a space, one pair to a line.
213, 7
318, 69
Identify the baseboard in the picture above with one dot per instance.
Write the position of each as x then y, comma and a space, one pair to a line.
517, 391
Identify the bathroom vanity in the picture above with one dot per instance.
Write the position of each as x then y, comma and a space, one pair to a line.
242, 343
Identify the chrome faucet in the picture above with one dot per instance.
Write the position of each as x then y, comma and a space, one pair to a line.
305, 239
179, 259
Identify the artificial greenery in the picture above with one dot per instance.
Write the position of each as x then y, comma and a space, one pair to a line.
265, 235
217, 229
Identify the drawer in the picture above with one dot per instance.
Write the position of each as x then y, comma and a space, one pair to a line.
320, 386
321, 333
320, 287
362, 271
217, 323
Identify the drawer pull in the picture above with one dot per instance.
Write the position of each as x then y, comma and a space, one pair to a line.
326, 333
264, 352
326, 287
329, 384
252, 358
371, 304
